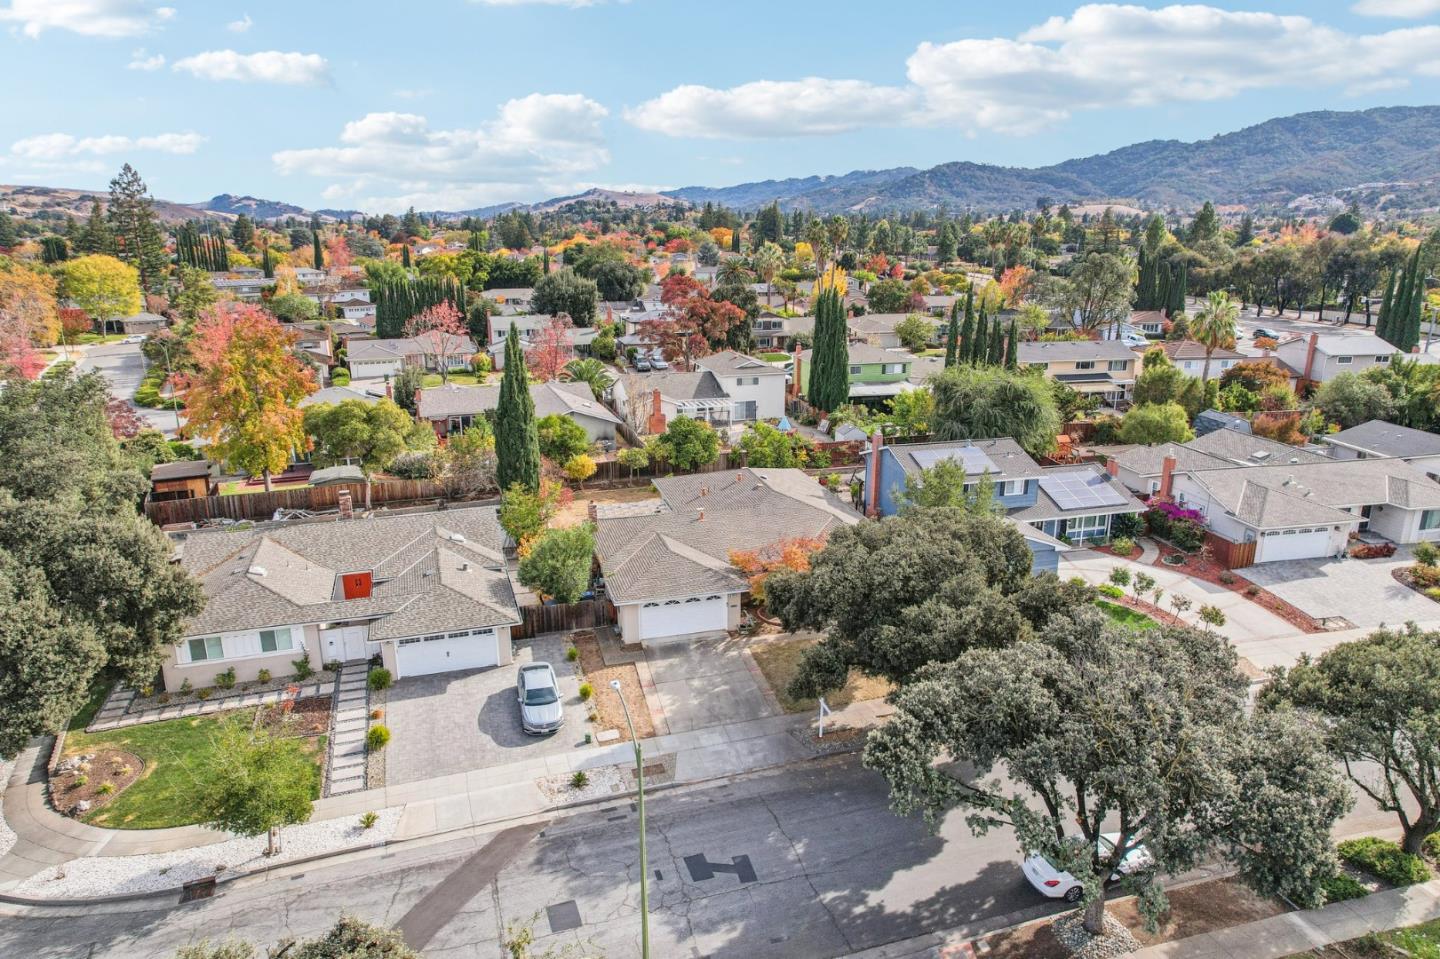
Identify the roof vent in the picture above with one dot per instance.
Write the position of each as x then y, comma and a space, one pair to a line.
465, 566
1262, 455
456, 538
1289, 480
256, 571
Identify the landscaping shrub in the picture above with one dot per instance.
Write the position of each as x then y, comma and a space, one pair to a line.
579, 780
303, 669
1187, 534
185, 686
414, 466
1226, 577
1252, 591
1384, 860
1111, 590
204, 694
1127, 525
263, 675
377, 714
572, 654
341, 377
1426, 577
1432, 845
1372, 550
105, 789
368, 819
1120, 576
1341, 887
377, 738
1427, 554
1123, 545
379, 679
226, 680
1434, 593
586, 691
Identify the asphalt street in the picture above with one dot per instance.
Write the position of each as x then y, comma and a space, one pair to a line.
123, 365
804, 863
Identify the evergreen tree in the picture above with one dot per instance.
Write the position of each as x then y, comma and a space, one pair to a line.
1012, 347
412, 224
995, 355
829, 384
769, 225
967, 333
1246, 234
405, 256
1179, 289
54, 249
1206, 225
139, 240
517, 441
8, 235
976, 351
952, 335
316, 251
735, 240
242, 231
267, 265
396, 302
95, 236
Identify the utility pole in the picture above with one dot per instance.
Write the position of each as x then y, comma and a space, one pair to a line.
640, 807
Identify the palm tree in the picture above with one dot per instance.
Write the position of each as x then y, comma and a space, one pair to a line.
1214, 326
733, 271
767, 261
591, 372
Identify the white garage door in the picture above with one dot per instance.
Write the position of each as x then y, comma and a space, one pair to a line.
680, 617
1293, 544
447, 652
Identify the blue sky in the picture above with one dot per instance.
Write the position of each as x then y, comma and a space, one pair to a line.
459, 103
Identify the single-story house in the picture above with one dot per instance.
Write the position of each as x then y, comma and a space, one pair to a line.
878, 329
724, 388
1140, 467
1320, 357
427, 592
1063, 505
1189, 357
511, 300
668, 573
375, 359
140, 323
184, 479
1377, 438
453, 409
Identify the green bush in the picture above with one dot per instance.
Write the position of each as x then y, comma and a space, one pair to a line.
579, 780
1187, 534
368, 819
1111, 590
586, 691
379, 679
1120, 576
303, 669
1432, 845
1384, 860
1123, 545
1426, 554
377, 738
203, 694
226, 680
572, 654
341, 377
262, 676
1340, 887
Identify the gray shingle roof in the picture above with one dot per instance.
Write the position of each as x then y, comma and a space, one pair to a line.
1387, 439
733, 363
415, 560
684, 551
182, 469
1066, 351
701, 385
1250, 450
1310, 493
865, 353
572, 399
1004, 452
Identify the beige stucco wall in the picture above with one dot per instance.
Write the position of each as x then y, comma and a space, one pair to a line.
247, 669
503, 644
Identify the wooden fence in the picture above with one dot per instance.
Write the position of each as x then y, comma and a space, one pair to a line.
1229, 554
562, 618
262, 506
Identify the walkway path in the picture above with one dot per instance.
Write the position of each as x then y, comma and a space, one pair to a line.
348, 727
113, 714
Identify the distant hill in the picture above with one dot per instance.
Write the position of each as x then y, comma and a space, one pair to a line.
258, 209
1387, 158
57, 203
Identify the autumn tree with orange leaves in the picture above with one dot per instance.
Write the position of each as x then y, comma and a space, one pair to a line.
758, 564
337, 250
695, 324
1017, 283
442, 334
243, 398
551, 348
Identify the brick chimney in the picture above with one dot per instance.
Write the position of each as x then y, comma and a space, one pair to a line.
872, 475
347, 508
1310, 357
795, 375
1167, 476
390, 390
656, 423
701, 518
1112, 466
592, 511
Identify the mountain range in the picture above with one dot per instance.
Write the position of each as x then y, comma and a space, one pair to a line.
1386, 159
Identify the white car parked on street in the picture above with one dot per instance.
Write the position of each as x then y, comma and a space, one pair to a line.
1052, 881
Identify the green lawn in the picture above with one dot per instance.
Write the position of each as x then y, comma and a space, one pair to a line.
175, 753
1126, 616
458, 379
242, 487
1421, 942
775, 357
88, 339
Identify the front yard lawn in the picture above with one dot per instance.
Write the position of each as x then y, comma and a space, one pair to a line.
779, 660
1421, 942
456, 379
175, 753
1126, 616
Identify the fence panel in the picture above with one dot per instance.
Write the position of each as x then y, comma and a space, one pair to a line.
562, 618
262, 506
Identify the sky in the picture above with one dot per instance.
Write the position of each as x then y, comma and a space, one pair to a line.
453, 104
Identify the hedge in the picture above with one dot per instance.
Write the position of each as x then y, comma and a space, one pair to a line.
1384, 860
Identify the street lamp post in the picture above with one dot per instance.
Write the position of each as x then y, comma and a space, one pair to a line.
640, 806
169, 375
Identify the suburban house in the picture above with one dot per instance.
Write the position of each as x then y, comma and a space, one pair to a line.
878, 329
453, 409
1189, 357
1147, 322
427, 592
1377, 438
374, 359
246, 287
139, 323
776, 333
940, 304
874, 373
1141, 467
1320, 357
1106, 368
725, 388
668, 571
184, 479
1052, 507
511, 300
353, 304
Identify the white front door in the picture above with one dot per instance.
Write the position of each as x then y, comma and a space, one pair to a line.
345, 643
1293, 544
446, 653
681, 617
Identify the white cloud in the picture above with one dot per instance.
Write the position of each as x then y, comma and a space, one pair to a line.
1100, 56
60, 148
240, 26
270, 66
140, 60
389, 161
91, 18
774, 108
1409, 9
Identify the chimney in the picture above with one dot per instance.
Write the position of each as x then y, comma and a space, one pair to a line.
1112, 466
390, 390
702, 515
347, 509
592, 511
1167, 476
1310, 357
656, 423
795, 374
872, 475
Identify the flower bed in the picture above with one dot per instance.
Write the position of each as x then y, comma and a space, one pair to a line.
1423, 579
86, 782
1203, 568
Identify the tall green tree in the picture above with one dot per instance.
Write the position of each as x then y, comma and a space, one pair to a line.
1012, 346
96, 236
985, 403
565, 291
369, 435
688, 444
829, 378
139, 240
995, 351
256, 782
952, 333
1214, 326
517, 441
242, 232
559, 562
317, 252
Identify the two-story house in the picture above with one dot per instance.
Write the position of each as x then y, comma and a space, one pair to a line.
1106, 368
874, 373
724, 388
1189, 357
1320, 357
878, 329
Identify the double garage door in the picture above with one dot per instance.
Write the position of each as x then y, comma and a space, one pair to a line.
682, 617
447, 652
1293, 544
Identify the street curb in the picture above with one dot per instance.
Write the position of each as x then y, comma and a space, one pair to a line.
579, 804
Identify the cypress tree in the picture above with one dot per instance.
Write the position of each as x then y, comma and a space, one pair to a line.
967, 333
952, 335
1407, 327
735, 240
319, 254
1012, 347
996, 353
1387, 303
266, 264
517, 442
405, 256
976, 351
829, 386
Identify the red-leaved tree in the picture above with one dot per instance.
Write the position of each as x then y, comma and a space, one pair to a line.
442, 336
694, 324
125, 423
339, 251
551, 348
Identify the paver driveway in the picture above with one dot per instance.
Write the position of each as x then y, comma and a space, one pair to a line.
1361, 590
455, 722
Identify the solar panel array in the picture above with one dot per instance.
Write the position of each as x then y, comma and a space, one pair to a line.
973, 459
1080, 490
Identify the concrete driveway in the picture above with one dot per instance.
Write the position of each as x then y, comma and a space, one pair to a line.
455, 722
705, 683
1361, 590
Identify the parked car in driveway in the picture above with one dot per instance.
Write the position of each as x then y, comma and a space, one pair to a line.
642, 364
1055, 883
538, 692
1264, 332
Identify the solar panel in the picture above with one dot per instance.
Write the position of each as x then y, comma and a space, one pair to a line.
1080, 490
973, 459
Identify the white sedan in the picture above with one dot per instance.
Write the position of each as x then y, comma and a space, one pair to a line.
1052, 881
134, 338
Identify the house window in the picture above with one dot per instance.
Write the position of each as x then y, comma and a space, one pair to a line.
210, 647
747, 381
892, 368
276, 640
1344, 360
1084, 364
1430, 519
854, 371
1119, 366
1012, 487
1383, 358
1085, 526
